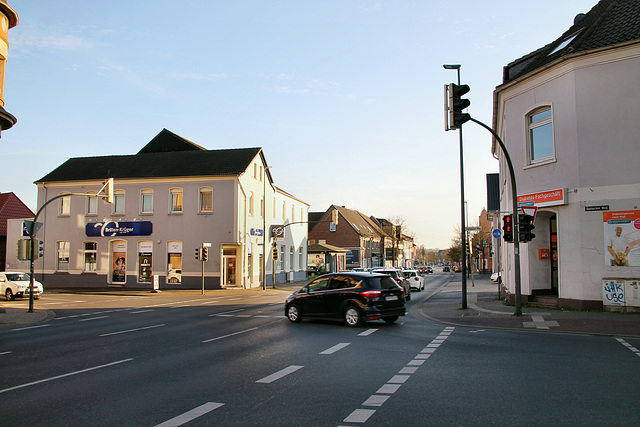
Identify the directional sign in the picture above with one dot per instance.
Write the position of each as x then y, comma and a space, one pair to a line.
497, 233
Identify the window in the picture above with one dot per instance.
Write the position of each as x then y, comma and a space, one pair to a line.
291, 252
255, 171
261, 206
63, 257
293, 213
65, 206
118, 202
300, 264
90, 256
251, 203
175, 200
540, 135
206, 199
146, 201
92, 204
284, 211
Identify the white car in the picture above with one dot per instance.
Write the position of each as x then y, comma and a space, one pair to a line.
496, 277
14, 284
415, 279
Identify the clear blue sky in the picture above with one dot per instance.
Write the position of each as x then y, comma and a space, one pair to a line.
344, 96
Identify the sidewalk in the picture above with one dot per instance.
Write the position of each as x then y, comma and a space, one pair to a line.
484, 310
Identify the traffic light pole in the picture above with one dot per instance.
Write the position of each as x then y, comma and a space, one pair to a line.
516, 227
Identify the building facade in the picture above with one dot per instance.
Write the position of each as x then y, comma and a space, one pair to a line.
568, 115
170, 199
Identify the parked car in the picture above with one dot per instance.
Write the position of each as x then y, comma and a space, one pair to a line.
415, 280
352, 297
14, 284
312, 271
396, 275
445, 269
429, 270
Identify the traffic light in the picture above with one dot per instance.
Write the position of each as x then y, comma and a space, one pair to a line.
507, 228
525, 226
40, 248
466, 244
199, 254
24, 249
457, 104
275, 253
205, 254
108, 191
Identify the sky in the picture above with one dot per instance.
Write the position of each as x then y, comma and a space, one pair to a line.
344, 96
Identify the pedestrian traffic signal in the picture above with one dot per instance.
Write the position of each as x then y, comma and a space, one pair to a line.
199, 254
205, 254
457, 104
525, 226
507, 228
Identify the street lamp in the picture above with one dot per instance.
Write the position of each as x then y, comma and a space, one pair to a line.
462, 209
264, 228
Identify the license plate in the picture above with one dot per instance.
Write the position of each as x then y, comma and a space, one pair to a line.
391, 298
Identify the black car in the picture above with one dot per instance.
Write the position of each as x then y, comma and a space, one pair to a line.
352, 297
446, 269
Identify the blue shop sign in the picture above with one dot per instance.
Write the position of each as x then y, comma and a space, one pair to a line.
118, 228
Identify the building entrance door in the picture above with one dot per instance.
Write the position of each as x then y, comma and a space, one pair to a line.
553, 253
229, 275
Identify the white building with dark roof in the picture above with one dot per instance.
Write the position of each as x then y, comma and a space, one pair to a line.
170, 198
568, 115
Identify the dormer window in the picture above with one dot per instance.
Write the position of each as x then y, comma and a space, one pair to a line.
565, 42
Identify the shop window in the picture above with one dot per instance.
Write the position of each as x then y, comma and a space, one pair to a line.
146, 201
118, 202
62, 263
176, 200
145, 262
92, 204
65, 206
174, 262
90, 256
206, 200
540, 135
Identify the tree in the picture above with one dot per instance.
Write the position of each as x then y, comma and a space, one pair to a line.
454, 253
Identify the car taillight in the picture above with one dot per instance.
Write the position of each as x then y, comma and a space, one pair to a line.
417, 279
371, 294
398, 281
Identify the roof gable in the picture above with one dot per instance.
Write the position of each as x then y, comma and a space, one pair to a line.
167, 141
11, 207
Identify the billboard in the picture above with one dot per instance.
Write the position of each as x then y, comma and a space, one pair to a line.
622, 238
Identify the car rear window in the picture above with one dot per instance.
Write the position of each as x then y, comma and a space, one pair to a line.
382, 282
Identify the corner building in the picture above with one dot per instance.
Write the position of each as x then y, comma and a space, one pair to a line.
170, 198
568, 115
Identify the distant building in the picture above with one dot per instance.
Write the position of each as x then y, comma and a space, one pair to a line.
171, 198
11, 207
568, 114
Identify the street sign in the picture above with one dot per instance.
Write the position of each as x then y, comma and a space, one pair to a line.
529, 210
474, 228
497, 233
26, 227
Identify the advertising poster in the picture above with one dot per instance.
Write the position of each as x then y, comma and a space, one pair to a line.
145, 260
622, 238
174, 262
119, 257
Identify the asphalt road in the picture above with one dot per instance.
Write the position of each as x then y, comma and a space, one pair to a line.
234, 360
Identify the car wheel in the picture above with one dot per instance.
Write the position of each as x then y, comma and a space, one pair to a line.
352, 316
8, 295
293, 313
390, 319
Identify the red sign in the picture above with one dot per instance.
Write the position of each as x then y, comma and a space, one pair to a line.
544, 198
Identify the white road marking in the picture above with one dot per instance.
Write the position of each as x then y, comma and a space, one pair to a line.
226, 313
335, 348
5, 352
64, 375
31, 327
359, 416
367, 332
132, 330
191, 415
141, 311
230, 335
280, 374
92, 318
375, 400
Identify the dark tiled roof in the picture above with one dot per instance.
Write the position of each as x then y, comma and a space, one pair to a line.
167, 141
608, 23
151, 164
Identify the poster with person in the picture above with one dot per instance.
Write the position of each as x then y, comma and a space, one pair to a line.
622, 238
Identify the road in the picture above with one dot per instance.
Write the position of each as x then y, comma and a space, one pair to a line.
233, 359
